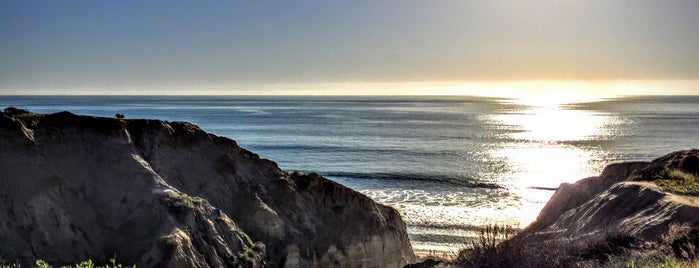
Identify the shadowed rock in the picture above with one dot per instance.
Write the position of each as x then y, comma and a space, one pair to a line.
169, 194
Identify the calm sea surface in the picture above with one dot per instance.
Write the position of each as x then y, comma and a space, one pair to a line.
448, 164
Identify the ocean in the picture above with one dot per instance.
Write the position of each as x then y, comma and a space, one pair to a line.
449, 165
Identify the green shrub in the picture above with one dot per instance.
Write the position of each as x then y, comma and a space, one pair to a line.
248, 240
17, 114
644, 261
678, 181
84, 264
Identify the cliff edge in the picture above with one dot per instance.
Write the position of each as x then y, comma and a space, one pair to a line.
630, 199
162, 194
634, 214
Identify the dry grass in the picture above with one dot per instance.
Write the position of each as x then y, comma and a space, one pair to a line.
678, 181
678, 248
502, 246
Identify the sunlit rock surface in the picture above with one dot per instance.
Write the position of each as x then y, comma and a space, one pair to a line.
169, 194
622, 201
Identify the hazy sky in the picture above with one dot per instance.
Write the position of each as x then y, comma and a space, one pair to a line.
96, 46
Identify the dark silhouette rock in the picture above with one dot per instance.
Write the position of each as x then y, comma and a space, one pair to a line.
427, 263
169, 194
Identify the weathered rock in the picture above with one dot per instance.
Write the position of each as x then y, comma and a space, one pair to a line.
169, 194
427, 263
622, 201
569, 196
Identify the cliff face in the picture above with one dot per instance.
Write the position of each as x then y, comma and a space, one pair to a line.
623, 201
169, 194
641, 214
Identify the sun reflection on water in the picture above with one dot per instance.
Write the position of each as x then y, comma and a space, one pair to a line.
536, 145
553, 124
544, 150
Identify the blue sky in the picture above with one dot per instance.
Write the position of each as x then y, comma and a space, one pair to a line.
109, 46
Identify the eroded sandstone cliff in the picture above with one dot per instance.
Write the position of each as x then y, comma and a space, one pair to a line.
635, 214
623, 201
169, 194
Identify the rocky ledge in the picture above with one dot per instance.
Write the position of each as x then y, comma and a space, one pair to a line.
161, 193
627, 199
634, 214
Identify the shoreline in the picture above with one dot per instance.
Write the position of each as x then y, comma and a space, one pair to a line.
423, 254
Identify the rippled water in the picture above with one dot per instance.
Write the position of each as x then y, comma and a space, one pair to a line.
448, 164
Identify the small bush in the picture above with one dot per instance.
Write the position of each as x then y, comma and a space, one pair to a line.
21, 114
85, 264
644, 261
503, 246
684, 242
612, 246
15, 264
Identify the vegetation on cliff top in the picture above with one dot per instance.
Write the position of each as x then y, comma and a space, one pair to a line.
677, 172
61, 119
17, 114
678, 181
112, 263
679, 247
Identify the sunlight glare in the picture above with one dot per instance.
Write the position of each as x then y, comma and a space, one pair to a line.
553, 124
542, 150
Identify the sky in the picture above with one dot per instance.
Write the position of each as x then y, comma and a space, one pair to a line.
345, 47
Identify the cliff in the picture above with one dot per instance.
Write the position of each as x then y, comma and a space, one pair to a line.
625, 200
169, 194
634, 214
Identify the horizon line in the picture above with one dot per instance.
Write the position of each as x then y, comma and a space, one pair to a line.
687, 87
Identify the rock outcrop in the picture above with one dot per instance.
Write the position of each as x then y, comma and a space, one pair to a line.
623, 201
169, 194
